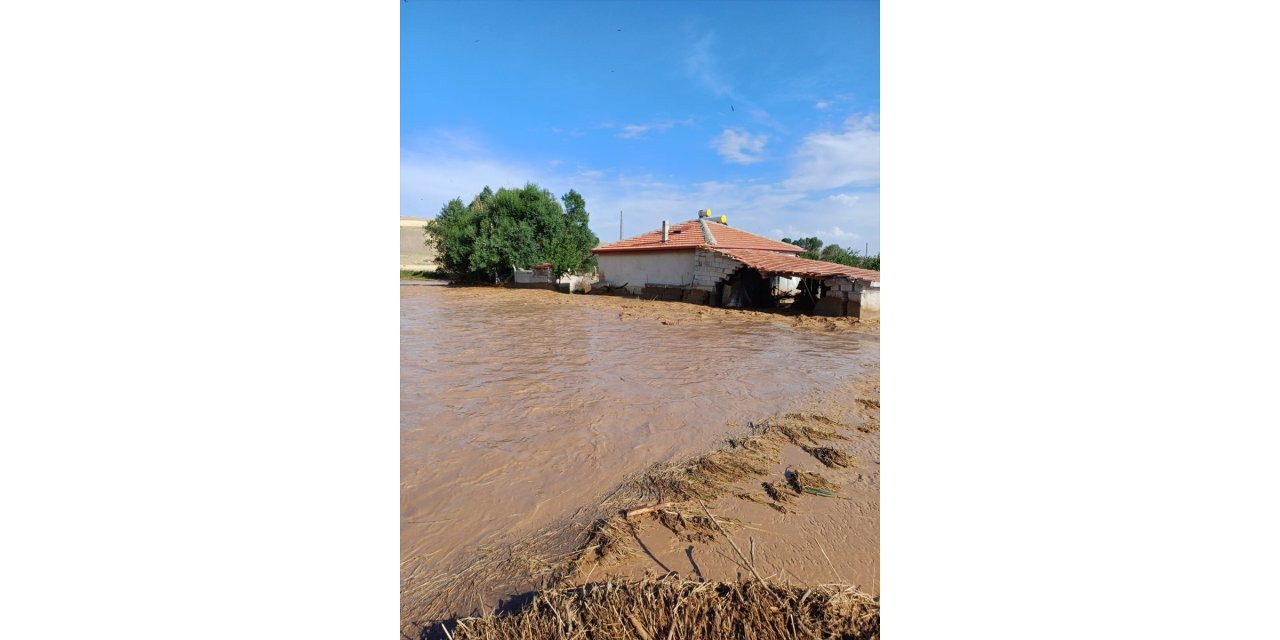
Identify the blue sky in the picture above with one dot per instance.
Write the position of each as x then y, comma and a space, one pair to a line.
767, 112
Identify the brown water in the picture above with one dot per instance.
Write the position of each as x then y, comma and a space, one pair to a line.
519, 406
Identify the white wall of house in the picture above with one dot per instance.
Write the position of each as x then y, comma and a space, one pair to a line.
636, 269
871, 297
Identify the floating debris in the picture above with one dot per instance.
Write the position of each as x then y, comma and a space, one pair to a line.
828, 456
800, 479
776, 494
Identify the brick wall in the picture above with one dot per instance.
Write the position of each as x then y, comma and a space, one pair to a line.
710, 267
846, 297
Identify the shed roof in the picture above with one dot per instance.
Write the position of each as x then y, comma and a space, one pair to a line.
770, 262
698, 233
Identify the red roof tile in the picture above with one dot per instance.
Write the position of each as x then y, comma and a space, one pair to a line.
769, 262
697, 233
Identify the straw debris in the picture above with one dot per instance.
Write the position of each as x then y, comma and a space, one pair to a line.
775, 493
676, 608
812, 428
609, 540
828, 456
798, 480
690, 525
765, 500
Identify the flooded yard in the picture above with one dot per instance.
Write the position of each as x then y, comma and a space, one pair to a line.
520, 406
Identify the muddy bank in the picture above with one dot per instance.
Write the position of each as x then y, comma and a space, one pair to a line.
806, 505
528, 415
633, 308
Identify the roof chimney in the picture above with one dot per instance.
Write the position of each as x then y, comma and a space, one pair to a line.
666, 231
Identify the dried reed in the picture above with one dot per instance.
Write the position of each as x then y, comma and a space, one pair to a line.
674, 608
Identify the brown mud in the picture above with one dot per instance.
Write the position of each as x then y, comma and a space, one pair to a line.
533, 422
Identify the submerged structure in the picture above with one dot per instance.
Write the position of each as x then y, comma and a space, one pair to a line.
705, 261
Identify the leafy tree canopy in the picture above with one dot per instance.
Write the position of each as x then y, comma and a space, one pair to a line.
513, 228
814, 250
811, 246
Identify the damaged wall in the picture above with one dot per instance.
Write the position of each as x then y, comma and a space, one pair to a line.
848, 297
710, 267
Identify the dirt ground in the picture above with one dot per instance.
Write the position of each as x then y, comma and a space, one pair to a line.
667, 312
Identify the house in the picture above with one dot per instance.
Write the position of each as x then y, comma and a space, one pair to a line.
706, 261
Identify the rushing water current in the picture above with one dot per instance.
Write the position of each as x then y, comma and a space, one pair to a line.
519, 406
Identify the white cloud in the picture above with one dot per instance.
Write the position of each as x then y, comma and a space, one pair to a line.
631, 131
840, 234
829, 235
428, 182
456, 166
822, 104
830, 160
738, 146
702, 66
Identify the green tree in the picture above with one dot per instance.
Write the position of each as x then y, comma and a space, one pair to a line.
513, 228
815, 250
811, 246
849, 257
836, 253
571, 250
453, 234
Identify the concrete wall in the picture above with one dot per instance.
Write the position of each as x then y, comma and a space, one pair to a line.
529, 276
542, 279
415, 255
871, 299
672, 268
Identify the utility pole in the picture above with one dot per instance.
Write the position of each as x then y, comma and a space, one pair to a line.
619, 225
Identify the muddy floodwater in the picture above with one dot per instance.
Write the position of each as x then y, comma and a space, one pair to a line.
520, 406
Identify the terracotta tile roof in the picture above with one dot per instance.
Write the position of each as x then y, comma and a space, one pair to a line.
769, 262
698, 233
